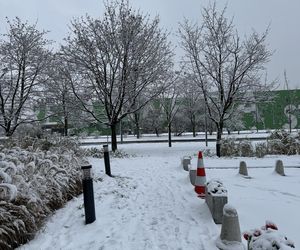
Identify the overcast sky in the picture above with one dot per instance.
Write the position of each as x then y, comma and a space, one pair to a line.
282, 15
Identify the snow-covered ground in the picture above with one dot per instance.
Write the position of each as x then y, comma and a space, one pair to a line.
184, 136
150, 203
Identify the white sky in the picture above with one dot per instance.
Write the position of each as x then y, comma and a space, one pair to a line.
283, 15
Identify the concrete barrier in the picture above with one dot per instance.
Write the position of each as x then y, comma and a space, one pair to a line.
216, 198
186, 162
230, 237
192, 173
279, 168
243, 168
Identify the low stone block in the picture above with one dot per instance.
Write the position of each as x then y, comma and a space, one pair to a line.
243, 168
192, 174
279, 168
186, 161
216, 198
230, 237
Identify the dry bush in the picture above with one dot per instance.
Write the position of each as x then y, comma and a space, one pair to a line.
34, 183
245, 148
281, 142
231, 147
261, 149
99, 153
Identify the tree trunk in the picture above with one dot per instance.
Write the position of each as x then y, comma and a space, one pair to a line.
8, 132
218, 143
114, 146
194, 129
169, 135
210, 130
156, 132
66, 125
193, 125
137, 125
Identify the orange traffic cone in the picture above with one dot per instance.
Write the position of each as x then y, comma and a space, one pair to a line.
200, 177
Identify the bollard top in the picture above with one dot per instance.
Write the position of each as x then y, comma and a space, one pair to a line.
243, 164
86, 166
229, 211
200, 156
279, 163
105, 148
86, 169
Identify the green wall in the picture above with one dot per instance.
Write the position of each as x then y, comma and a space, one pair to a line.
274, 114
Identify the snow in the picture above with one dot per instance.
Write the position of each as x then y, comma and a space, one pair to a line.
216, 188
229, 211
267, 238
229, 245
150, 203
8, 191
183, 136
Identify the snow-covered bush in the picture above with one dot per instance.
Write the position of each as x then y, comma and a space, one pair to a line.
208, 152
29, 130
33, 183
267, 238
215, 187
229, 147
245, 148
99, 153
55, 144
232, 147
261, 149
282, 142
298, 142
279, 142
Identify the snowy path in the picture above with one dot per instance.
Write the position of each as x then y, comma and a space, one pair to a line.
164, 214
148, 205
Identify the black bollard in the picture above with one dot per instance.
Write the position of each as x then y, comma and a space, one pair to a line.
106, 160
88, 194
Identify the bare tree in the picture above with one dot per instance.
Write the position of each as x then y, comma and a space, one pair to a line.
153, 119
24, 59
121, 56
170, 103
191, 101
61, 102
225, 67
137, 116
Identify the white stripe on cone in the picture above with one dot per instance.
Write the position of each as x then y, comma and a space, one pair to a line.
200, 177
200, 180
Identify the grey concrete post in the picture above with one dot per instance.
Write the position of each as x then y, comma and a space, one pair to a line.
186, 161
230, 237
216, 198
243, 168
192, 174
279, 168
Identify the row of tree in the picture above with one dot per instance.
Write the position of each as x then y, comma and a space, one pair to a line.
123, 61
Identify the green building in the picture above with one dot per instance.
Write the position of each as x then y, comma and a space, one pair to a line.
281, 112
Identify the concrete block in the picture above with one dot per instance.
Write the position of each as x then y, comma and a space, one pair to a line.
216, 199
192, 173
186, 161
243, 168
230, 237
279, 168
